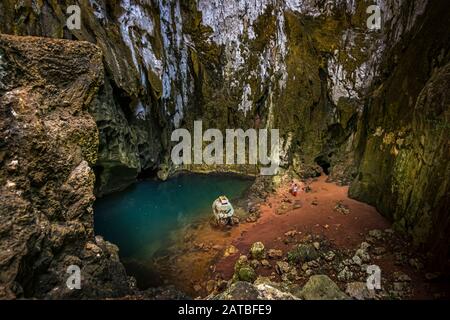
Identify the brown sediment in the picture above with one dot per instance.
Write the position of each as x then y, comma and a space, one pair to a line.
198, 254
343, 231
200, 249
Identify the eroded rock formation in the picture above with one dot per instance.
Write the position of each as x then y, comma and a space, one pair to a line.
404, 132
49, 143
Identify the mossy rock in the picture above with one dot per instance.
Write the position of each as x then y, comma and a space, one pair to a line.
243, 271
258, 251
321, 287
303, 253
247, 274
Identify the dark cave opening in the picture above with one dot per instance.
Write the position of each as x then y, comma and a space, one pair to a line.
123, 100
324, 163
148, 173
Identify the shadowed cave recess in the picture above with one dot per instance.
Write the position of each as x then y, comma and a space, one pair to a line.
87, 116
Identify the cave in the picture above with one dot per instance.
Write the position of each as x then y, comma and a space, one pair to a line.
324, 163
358, 183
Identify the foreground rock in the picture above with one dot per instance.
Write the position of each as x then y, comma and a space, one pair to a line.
359, 291
243, 271
48, 144
246, 291
321, 287
257, 251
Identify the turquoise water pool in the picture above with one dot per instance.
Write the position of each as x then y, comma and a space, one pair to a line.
141, 218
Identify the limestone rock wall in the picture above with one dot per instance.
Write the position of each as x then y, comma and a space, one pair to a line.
404, 132
300, 66
48, 144
126, 109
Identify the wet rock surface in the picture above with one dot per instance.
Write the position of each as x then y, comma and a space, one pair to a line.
404, 158
49, 144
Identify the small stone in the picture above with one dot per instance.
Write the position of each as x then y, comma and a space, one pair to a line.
363, 254
315, 202
275, 253
345, 274
329, 256
401, 277
377, 234
400, 259
359, 291
314, 264
316, 245
255, 263
13, 165
265, 263
290, 275
364, 246
257, 251
268, 291
231, 250
357, 260
93, 247
379, 251
291, 233
10, 184
239, 290
282, 267
99, 240
341, 208
200, 245
347, 262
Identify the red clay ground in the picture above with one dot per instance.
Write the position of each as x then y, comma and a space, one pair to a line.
199, 254
345, 231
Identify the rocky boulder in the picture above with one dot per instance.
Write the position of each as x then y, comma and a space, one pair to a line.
321, 287
257, 251
243, 271
49, 142
303, 253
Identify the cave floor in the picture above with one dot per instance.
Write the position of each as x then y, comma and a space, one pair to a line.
324, 216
